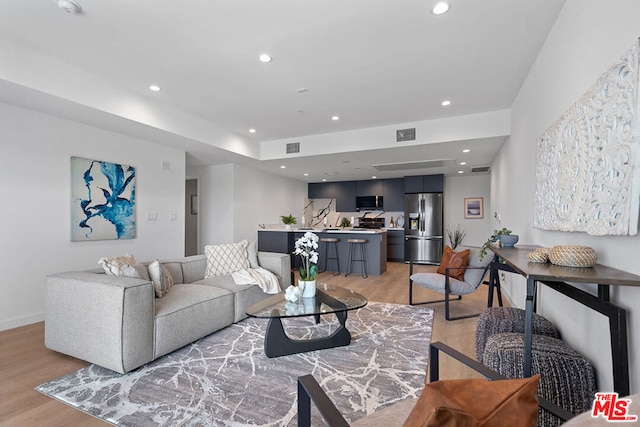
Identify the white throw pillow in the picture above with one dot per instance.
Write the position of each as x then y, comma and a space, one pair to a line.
124, 266
226, 259
161, 278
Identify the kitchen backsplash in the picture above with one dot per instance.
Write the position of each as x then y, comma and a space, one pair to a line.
319, 212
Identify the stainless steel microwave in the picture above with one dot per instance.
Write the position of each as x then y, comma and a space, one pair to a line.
369, 203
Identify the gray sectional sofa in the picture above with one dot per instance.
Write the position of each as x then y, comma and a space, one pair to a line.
116, 322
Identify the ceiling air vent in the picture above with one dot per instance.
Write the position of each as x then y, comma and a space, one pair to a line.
403, 135
421, 164
480, 169
293, 147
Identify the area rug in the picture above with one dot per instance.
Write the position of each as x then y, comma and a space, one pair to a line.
225, 379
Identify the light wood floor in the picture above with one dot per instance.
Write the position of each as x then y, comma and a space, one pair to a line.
26, 363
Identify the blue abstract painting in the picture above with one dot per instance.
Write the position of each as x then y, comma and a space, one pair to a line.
102, 200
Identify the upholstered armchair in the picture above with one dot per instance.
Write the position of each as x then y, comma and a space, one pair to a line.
460, 273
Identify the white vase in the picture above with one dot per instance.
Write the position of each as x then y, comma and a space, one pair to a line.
287, 226
308, 288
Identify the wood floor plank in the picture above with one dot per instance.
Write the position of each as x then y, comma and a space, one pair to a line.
26, 363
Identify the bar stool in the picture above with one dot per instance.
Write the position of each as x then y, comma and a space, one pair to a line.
334, 244
363, 259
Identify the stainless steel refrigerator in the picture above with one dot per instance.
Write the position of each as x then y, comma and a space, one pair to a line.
423, 236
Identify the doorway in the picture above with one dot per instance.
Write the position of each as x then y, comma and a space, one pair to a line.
191, 208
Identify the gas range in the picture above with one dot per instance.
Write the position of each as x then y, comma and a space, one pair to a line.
370, 223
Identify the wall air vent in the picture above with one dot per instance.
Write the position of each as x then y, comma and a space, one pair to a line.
421, 164
480, 169
403, 135
293, 147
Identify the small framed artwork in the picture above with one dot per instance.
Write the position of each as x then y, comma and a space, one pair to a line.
194, 205
474, 208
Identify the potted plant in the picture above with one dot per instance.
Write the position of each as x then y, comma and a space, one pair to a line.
345, 223
495, 237
288, 220
306, 247
456, 236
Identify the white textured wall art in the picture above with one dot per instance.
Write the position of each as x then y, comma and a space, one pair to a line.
588, 162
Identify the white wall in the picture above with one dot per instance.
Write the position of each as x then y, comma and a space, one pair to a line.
261, 198
234, 199
458, 128
35, 204
456, 189
216, 204
587, 38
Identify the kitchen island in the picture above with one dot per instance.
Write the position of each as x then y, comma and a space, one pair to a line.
282, 241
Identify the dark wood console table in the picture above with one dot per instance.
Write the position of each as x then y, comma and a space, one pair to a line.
559, 278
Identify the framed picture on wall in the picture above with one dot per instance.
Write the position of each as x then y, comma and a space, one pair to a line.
474, 208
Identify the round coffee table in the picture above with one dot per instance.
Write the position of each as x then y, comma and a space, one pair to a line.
329, 299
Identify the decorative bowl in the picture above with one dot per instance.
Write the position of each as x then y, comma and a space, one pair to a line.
509, 240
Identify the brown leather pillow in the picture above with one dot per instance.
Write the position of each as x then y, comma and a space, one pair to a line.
455, 261
477, 402
444, 261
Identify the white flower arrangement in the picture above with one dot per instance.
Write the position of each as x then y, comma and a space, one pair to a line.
306, 247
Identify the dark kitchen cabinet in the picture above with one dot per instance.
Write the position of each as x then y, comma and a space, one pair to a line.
394, 195
345, 196
321, 190
424, 184
395, 245
275, 241
370, 187
281, 242
413, 184
433, 183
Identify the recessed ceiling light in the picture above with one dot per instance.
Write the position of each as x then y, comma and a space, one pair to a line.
373, 177
445, 103
460, 171
324, 179
440, 8
69, 6
306, 174
463, 163
154, 88
283, 167
252, 130
265, 58
302, 90
466, 150
335, 118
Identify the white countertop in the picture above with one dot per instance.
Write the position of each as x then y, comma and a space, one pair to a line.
337, 230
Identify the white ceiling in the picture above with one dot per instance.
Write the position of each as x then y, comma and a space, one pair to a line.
371, 62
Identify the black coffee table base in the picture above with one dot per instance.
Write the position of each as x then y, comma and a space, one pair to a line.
277, 343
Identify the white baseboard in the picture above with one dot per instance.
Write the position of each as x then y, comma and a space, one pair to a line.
21, 321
